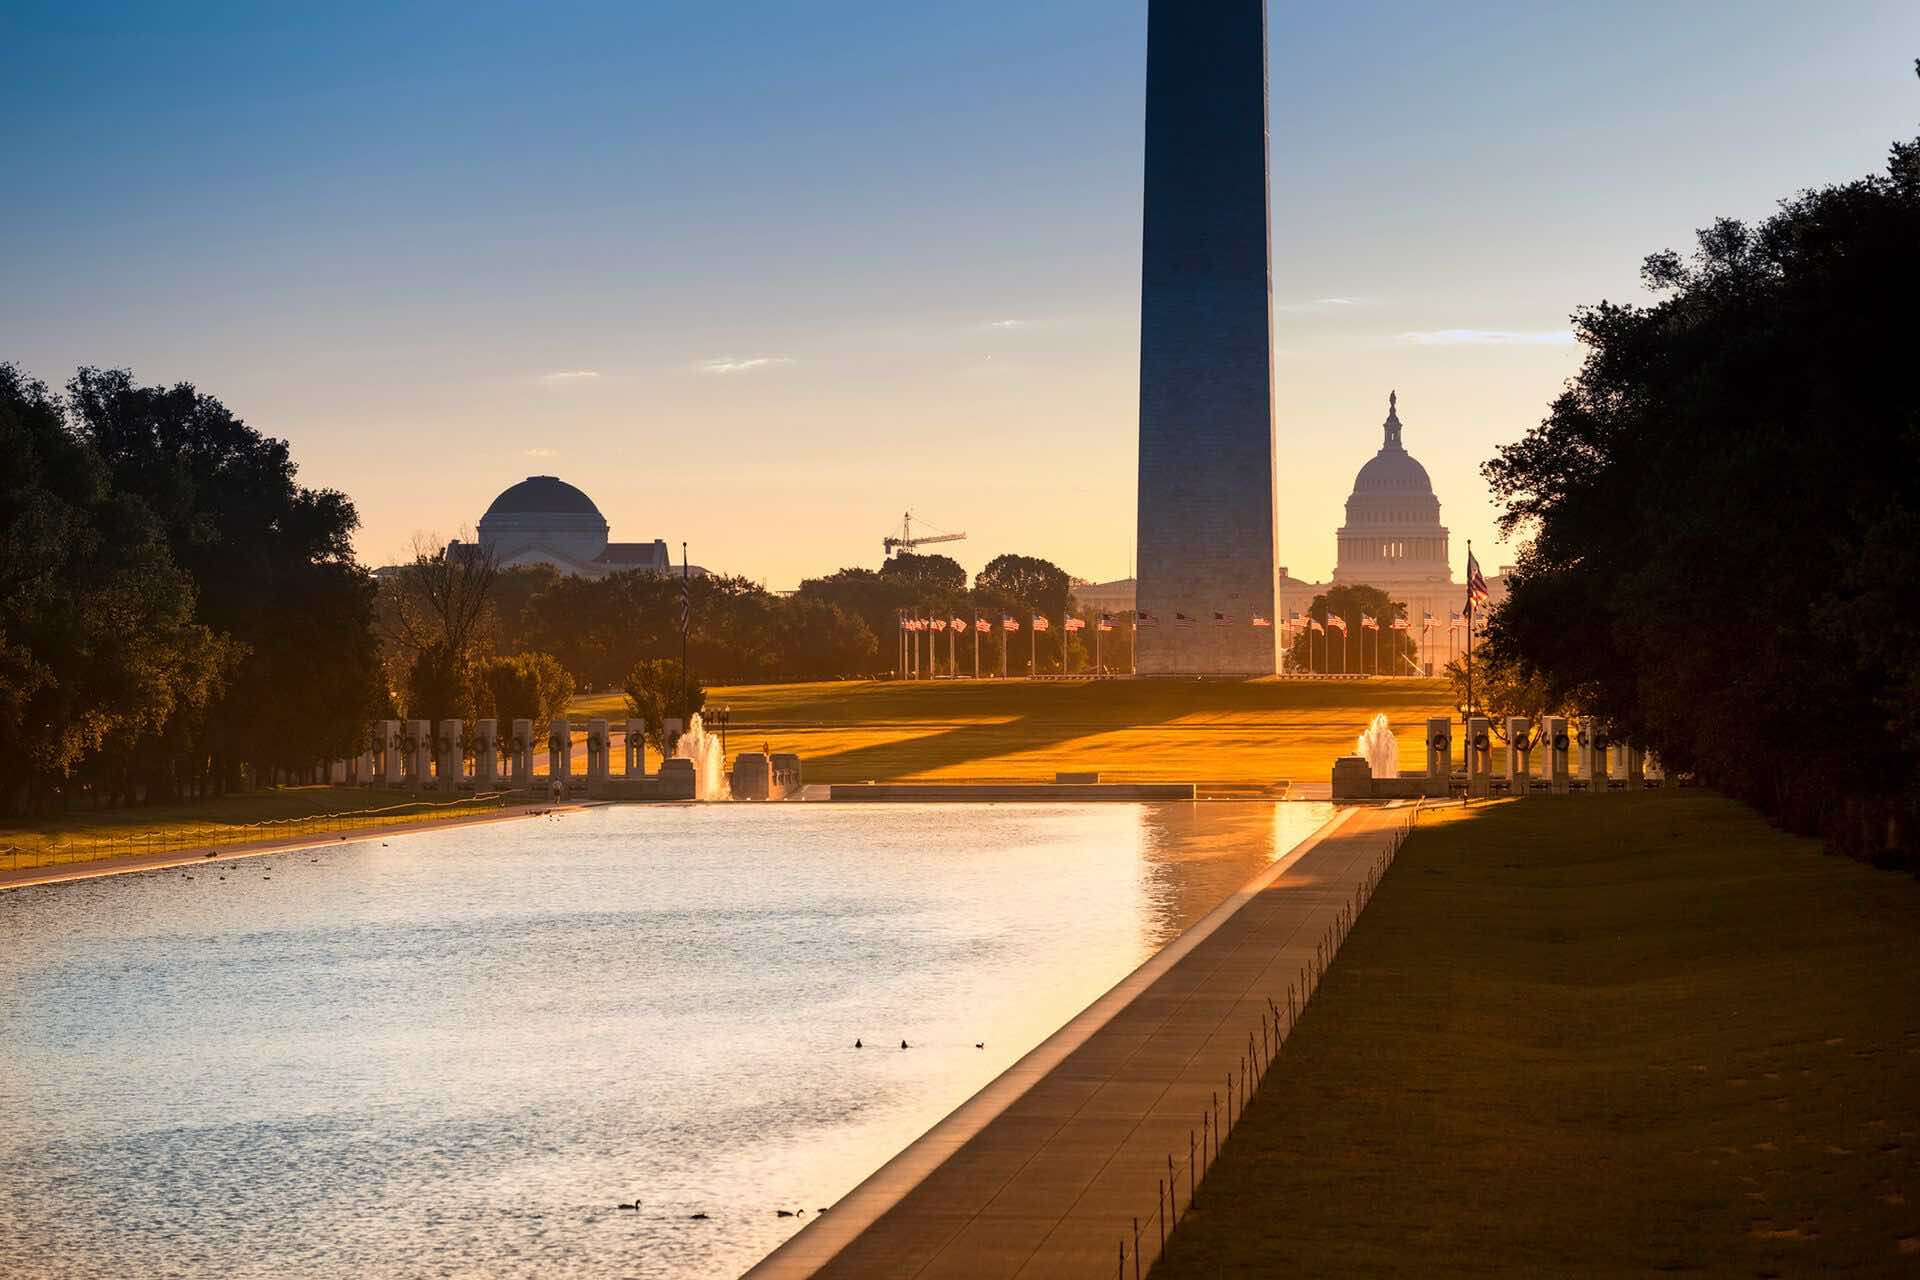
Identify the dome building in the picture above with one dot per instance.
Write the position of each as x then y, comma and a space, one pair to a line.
545, 520
1393, 536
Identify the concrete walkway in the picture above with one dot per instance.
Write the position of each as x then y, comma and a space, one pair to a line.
1044, 1172
193, 857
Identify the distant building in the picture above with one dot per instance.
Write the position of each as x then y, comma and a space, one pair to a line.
1392, 539
545, 520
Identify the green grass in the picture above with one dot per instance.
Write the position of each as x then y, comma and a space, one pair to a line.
1236, 733
259, 815
1594, 1035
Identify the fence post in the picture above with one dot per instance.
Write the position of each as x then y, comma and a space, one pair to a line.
1160, 1206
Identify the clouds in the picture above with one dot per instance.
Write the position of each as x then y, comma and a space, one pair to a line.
541, 453
1319, 304
569, 375
1489, 338
749, 364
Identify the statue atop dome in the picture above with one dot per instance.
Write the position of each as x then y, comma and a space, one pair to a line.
1393, 421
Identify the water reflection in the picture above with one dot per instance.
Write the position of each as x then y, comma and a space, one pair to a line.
455, 1054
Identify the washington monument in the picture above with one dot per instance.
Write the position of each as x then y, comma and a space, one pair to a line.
1206, 577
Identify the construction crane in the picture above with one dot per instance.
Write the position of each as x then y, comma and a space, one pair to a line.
907, 542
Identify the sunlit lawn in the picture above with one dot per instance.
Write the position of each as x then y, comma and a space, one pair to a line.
1236, 733
222, 820
1609, 1035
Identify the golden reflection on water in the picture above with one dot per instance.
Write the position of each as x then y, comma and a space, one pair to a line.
456, 1054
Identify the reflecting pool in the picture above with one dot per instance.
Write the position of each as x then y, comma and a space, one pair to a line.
454, 1053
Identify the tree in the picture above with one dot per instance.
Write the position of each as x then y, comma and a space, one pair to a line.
527, 686
659, 689
1388, 652
1721, 514
1024, 586
941, 575
1502, 689
816, 639
271, 562
99, 649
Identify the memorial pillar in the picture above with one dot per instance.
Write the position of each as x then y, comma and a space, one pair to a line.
1594, 738
522, 753
1479, 758
453, 755
560, 751
486, 753
1553, 736
1519, 754
420, 749
1636, 768
636, 748
674, 728
390, 762
599, 750
1440, 750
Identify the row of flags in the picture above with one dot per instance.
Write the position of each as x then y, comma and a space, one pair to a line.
1107, 622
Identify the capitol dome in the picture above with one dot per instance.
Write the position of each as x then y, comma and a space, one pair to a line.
1393, 532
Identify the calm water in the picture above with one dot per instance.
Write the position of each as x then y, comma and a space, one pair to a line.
453, 1054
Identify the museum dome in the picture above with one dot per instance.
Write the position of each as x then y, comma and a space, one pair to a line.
543, 495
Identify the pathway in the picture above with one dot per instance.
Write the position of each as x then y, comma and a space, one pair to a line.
1044, 1173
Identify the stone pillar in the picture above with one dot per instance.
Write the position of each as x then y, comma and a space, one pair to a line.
486, 753
560, 751
390, 752
363, 768
1553, 736
636, 748
337, 772
1479, 758
1636, 768
1440, 749
599, 751
421, 734
1519, 754
1352, 778
453, 755
522, 764
1594, 740
674, 728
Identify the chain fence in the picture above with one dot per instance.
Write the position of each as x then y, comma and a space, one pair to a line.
1147, 1242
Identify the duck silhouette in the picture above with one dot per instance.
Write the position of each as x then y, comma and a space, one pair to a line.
783, 1213
697, 1217
979, 1044
857, 1044
903, 1044
633, 1207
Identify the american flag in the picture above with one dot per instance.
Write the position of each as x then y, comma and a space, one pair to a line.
981, 625
1009, 623
1316, 625
1454, 621
1428, 624
958, 623
1040, 622
939, 624
1369, 623
1259, 621
1476, 582
1182, 620
1076, 624
1106, 622
1401, 624
1293, 619
686, 602
1219, 618
1335, 620
1142, 618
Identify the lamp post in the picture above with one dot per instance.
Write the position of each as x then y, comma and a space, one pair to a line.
718, 717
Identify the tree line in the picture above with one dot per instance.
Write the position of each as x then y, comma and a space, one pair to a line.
1722, 516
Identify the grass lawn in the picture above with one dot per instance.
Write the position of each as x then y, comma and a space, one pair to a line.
1234, 733
289, 811
1593, 1035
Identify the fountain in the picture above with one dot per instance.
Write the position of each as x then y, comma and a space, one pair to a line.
709, 761
1378, 748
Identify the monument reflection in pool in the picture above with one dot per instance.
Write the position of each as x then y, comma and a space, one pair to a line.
458, 1052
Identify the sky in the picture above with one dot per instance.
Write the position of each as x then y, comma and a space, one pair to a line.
762, 276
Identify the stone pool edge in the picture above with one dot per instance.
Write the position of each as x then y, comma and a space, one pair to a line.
817, 1243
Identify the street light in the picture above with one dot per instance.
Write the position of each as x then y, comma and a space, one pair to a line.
718, 717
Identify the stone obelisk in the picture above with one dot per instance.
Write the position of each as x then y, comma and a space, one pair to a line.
1206, 349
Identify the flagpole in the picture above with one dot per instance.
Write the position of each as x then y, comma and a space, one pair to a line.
1469, 631
686, 616
976, 644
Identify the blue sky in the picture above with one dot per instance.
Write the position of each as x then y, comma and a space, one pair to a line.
760, 275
